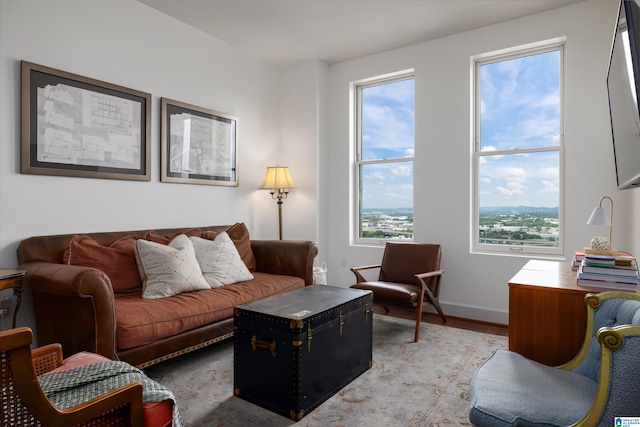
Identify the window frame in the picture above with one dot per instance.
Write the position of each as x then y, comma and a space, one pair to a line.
356, 153
477, 61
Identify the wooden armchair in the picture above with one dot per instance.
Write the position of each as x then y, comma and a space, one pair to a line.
409, 275
24, 404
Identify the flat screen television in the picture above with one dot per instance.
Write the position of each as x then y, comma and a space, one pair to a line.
623, 80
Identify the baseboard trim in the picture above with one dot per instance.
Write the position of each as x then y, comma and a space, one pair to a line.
469, 312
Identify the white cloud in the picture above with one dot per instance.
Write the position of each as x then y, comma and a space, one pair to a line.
512, 173
503, 191
402, 170
550, 187
377, 175
512, 189
548, 173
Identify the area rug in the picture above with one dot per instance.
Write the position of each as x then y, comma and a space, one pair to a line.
409, 385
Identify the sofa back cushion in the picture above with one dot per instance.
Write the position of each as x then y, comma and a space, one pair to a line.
165, 239
51, 248
117, 260
112, 252
239, 234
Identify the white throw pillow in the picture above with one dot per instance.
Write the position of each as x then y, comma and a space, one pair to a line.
220, 261
167, 270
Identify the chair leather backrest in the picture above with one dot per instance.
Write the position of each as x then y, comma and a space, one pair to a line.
402, 261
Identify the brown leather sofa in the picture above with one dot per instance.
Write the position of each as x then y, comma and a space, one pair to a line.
77, 307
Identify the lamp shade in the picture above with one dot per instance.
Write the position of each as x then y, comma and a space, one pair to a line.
599, 217
277, 177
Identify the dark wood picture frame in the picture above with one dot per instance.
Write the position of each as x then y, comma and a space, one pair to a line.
81, 127
198, 145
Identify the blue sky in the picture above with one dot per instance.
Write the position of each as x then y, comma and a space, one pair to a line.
520, 101
388, 132
519, 109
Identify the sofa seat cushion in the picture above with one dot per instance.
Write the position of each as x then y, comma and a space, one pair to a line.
141, 321
509, 389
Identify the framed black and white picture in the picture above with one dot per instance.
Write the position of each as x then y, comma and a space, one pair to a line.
198, 145
77, 126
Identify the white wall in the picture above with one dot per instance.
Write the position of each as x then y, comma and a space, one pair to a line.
304, 99
302, 118
633, 225
298, 117
475, 286
130, 44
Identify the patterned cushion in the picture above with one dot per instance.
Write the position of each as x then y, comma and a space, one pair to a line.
75, 386
168, 270
220, 261
143, 321
509, 389
156, 413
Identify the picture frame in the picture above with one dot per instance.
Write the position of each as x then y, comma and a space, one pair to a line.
198, 145
81, 127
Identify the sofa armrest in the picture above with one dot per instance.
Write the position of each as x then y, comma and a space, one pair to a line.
68, 300
286, 257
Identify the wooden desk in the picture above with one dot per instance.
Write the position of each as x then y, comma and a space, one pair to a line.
12, 279
547, 314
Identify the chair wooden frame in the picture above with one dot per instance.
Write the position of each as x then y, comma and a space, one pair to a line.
431, 294
20, 368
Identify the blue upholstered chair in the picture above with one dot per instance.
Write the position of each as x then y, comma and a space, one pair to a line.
601, 383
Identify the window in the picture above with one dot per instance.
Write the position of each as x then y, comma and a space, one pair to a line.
517, 151
383, 158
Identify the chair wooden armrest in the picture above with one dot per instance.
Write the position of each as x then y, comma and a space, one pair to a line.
129, 395
124, 405
356, 270
46, 358
430, 274
432, 292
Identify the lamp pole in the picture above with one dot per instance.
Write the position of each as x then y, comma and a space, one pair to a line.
282, 194
280, 213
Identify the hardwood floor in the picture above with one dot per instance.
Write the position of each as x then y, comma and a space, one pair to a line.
453, 322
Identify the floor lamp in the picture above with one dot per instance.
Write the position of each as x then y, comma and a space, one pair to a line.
278, 181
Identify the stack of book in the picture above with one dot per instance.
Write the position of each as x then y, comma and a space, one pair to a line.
577, 260
606, 271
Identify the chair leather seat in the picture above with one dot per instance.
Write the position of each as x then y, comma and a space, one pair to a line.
409, 275
389, 291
